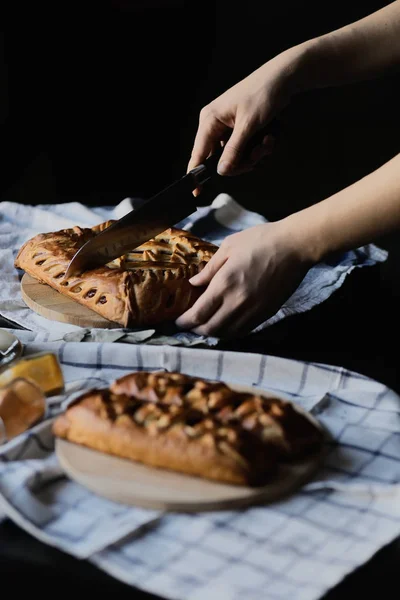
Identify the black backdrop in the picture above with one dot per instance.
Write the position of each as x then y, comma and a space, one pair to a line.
109, 93
100, 100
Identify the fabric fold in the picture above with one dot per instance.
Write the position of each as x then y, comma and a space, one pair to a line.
308, 541
214, 223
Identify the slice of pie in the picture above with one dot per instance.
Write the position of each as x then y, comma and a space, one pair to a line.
147, 286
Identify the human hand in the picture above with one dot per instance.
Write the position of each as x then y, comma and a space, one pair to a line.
243, 111
249, 278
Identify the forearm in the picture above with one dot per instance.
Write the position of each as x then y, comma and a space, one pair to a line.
358, 51
355, 216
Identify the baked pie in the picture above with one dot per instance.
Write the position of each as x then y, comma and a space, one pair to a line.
190, 425
147, 286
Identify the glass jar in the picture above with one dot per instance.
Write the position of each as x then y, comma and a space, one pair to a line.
22, 404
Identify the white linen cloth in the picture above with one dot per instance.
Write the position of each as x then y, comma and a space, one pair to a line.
19, 223
294, 549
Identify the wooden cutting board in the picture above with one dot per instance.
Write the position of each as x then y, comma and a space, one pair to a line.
52, 305
135, 484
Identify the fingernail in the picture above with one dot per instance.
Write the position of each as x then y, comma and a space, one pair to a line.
223, 168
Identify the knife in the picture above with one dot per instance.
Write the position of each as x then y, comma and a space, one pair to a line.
155, 215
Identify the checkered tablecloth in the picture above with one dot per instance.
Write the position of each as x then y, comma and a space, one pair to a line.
294, 549
225, 216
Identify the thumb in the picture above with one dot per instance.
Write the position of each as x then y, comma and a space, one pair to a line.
234, 150
211, 268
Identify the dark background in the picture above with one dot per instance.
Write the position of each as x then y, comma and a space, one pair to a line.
99, 101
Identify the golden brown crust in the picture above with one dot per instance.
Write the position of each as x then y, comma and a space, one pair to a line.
147, 286
185, 424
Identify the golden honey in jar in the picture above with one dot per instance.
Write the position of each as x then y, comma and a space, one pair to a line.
42, 368
22, 404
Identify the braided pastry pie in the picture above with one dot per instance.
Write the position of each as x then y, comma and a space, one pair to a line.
182, 423
147, 286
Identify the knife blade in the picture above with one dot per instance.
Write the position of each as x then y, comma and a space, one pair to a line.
155, 215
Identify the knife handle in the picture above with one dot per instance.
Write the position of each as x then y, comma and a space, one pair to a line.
211, 163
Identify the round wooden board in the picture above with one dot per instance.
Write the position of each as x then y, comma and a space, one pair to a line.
135, 484
53, 305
